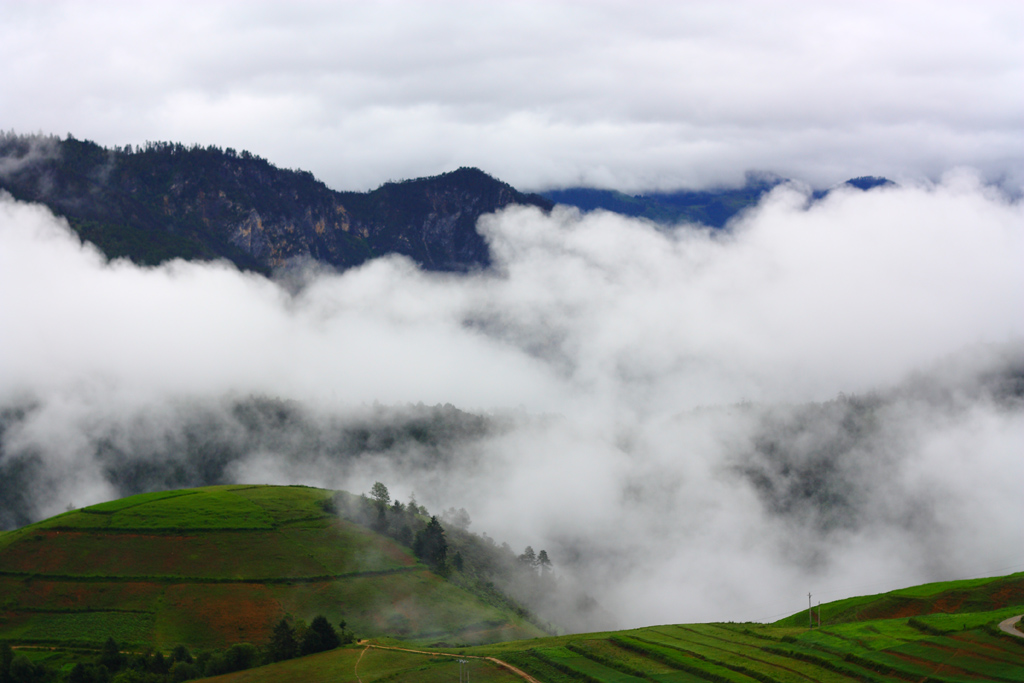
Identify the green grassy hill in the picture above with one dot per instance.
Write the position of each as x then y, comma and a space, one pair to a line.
219, 565
952, 643
948, 597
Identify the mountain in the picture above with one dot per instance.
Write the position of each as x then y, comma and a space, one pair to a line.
164, 200
713, 208
214, 566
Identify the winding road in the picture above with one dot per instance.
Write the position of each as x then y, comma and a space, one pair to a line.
1007, 626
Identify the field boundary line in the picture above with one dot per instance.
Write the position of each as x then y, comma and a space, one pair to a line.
733, 652
92, 578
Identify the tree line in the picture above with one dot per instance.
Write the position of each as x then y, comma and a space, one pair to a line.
290, 639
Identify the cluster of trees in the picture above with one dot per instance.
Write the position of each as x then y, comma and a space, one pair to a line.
288, 641
412, 525
522, 582
539, 562
405, 523
111, 665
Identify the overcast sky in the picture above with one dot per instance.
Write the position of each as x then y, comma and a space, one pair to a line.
540, 94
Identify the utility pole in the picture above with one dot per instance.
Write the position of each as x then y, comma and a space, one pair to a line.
810, 612
463, 673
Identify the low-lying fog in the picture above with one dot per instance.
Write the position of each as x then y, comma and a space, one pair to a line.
828, 397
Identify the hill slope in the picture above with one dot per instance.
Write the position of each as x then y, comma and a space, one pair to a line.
213, 566
947, 597
166, 200
957, 647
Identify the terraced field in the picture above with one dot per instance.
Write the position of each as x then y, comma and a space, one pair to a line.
949, 645
882, 651
878, 651
219, 565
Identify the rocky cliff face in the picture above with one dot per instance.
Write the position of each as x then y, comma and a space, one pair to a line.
168, 201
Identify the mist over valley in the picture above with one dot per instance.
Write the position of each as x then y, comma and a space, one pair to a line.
696, 423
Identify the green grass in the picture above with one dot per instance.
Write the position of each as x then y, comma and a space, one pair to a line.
72, 627
339, 666
926, 590
219, 508
112, 506
287, 504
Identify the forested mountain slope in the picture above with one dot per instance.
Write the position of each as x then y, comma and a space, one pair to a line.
164, 200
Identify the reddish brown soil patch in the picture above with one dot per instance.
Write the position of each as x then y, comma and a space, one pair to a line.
910, 609
395, 553
43, 594
949, 603
38, 556
236, 612
1012, 594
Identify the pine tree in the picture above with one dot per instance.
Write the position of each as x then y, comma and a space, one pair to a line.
380, 495
282, 642
543, 561
430, 544
110, 655
320, 636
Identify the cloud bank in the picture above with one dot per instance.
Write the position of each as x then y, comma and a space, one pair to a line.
538, 94
660, 405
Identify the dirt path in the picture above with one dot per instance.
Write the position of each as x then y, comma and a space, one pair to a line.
1007, 626
518, 672
356, 669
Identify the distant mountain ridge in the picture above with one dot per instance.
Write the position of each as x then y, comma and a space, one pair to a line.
713, 208
166, 200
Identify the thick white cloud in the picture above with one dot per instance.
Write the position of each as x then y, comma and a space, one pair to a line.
657, 95
619, 332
